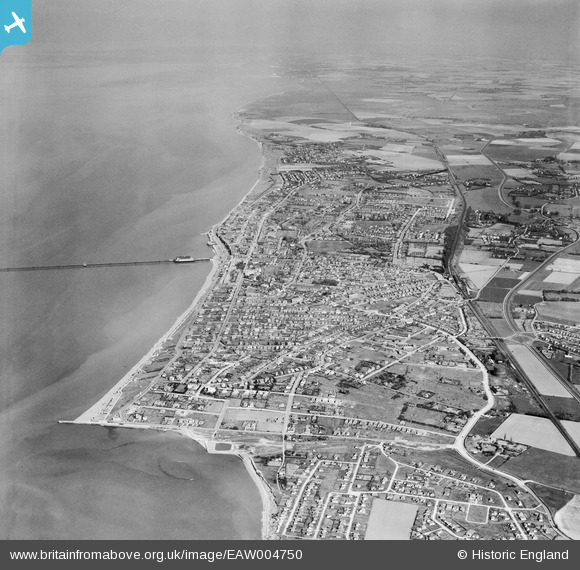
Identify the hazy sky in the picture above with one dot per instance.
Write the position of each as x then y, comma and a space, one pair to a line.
547, 29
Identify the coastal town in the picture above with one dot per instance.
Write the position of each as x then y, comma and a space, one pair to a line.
389, 332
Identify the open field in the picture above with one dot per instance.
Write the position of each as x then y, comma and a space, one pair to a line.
546, 383
529, 293
322, 246
569, 156
569, 518
535, 432
566, 265
478, 171
301, 131
472, 255
479, 275
564, 408
390, 520
526, 299
477, 514
486, 426
563, 311
451, 387
491, 310
520, 173
493, 294
554, 499
468, 160
573, 428
500, 326
523, 150
250, 419
538, 282
504, 280
371, 402
546, 467
561, 278
399, 160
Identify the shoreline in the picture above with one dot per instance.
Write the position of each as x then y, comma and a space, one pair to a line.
269, 506
112, 395
104, 405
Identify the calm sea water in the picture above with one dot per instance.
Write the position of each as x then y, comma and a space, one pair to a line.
109, 159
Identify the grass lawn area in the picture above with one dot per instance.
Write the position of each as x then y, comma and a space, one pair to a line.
554, 499
545, 467
477, 514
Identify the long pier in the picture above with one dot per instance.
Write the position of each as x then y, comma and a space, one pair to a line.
101, 265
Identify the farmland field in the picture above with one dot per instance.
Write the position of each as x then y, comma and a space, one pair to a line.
493, 294
554, 499
564, 408
533, 431
561, 278
503, 282
546, 383
487, 200
468, 159
479, 275
547, 467
479, 256
564, 311
518, 153
469, 172
486, 426
566, 264
526, 299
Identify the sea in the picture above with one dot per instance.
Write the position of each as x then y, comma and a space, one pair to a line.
107, 157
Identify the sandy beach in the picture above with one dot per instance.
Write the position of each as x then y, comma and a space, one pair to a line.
106, 402
111, 397
269, 507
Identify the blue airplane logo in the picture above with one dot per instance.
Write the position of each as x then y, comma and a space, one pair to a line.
15, 33
17, 22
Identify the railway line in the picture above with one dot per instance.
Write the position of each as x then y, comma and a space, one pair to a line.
500, 342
